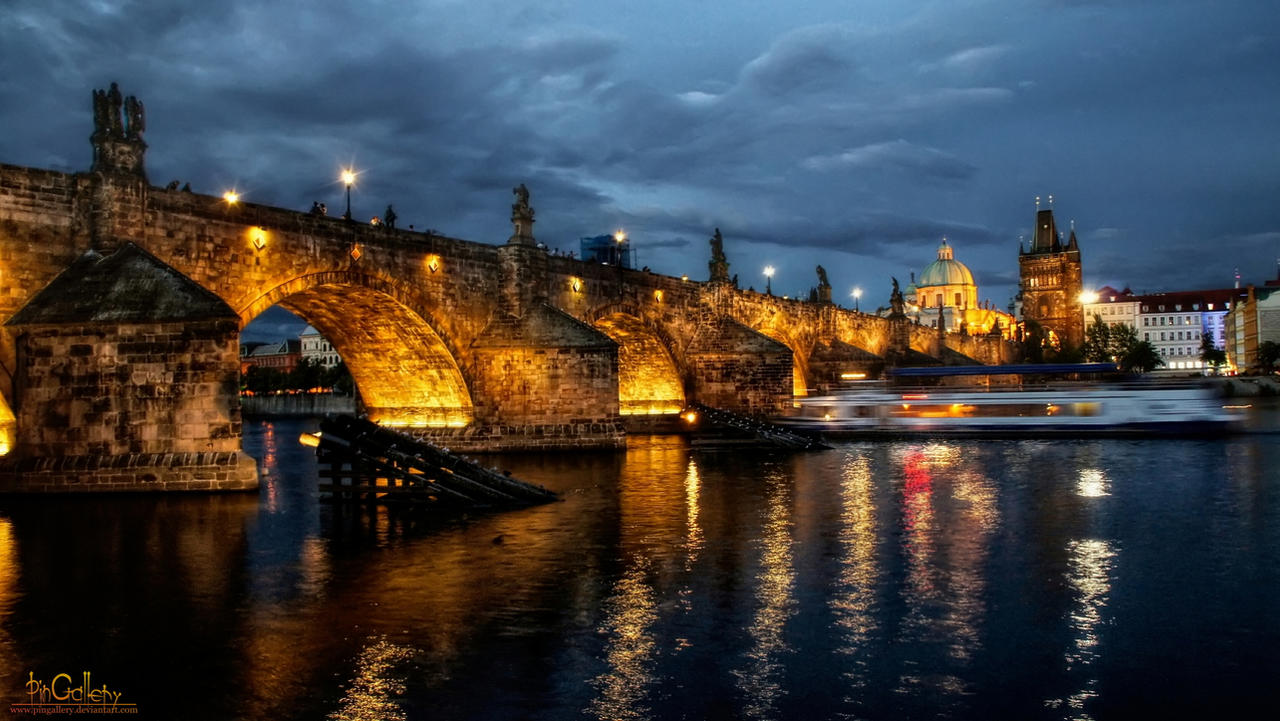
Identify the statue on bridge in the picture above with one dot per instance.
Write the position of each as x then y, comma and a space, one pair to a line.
521, 217
897, 305
719, 264
117, 140
522, 201
136, 115
822, 278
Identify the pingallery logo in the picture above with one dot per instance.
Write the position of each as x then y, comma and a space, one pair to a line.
65, 694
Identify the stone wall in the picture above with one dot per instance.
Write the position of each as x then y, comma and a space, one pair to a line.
296, 405
128, 407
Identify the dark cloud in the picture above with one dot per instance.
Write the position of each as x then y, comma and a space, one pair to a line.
856, 142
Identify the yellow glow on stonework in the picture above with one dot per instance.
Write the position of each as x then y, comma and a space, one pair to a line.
433, 263
443, 419
258, 237
576, 284
852, 376
657, 295
7, 425
645, 408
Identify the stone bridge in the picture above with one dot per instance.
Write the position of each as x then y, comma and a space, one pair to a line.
122, 305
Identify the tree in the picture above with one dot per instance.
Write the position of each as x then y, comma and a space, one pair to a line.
339, 379
1140, 358
1268, 356
1097, 346
1108, 343
1212, 357
306, 375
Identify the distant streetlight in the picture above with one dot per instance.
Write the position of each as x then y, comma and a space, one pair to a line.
857, 293
231, 196
768, 280
348, 179
1089, 297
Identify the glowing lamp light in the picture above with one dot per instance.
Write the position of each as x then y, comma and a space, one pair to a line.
768, 271
620, 235
433, 263
657, 295
231, 196
684, 278
348, 177
259, 238
690, 417
355, 251
310, 439
1089, 297
576, 284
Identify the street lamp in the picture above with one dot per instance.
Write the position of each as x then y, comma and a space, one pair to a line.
857, 293
348, 179
768, 280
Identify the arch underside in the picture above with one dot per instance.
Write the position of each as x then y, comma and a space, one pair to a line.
404, 372
7, 426
648, 380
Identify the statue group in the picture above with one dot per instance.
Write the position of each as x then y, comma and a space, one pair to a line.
107, 118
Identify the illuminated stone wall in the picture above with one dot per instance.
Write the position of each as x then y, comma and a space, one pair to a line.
544, 380
129, 407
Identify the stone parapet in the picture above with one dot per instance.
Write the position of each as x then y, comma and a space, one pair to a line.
130, 472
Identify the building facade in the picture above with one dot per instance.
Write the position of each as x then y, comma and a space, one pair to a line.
1051, 280
1114, 307
946, 290
317, 349
282, 356
1254, 320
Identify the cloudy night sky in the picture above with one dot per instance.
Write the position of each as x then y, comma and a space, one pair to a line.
851, 134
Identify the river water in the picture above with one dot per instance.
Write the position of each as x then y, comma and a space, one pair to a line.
1105, 579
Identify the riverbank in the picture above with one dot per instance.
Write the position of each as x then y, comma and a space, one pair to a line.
1250, 386
296, 405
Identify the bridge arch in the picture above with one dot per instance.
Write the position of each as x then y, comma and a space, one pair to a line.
406, 371
649, 376
777, 326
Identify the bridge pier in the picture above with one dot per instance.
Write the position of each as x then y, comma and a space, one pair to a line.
126, 380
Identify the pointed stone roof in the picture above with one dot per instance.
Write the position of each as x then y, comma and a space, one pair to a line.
543, 324
839, 351
128, 286
1045, 237
723, 335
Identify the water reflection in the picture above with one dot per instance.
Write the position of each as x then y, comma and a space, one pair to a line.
877, 580
853, 600
1093, 483
374, 694
760, 680
629, 618
949, 514
1091, 565
10, 663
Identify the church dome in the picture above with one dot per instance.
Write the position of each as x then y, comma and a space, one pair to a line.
946, 270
